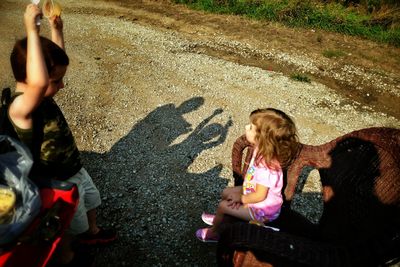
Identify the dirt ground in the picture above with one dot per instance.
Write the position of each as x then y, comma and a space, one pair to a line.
368, 56
157, 93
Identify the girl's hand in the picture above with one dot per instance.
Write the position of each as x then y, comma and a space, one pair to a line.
56, 23
32, 12
234, 205
235, 200
236, 197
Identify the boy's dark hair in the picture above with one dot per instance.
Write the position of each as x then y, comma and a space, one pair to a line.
53, 56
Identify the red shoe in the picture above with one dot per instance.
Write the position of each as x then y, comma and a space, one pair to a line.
102, 237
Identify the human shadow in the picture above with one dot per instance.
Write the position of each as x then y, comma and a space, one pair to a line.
148, 192
353, 183
354, 210
360, 195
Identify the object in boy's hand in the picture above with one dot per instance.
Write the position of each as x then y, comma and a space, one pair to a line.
36, 2
7, 203
51, 8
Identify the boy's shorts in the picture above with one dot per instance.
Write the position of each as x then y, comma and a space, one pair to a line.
89, 198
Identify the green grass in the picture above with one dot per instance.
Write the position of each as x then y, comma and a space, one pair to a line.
300, 77
333, 53
330, 16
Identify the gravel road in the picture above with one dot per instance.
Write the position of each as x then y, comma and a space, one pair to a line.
156, 103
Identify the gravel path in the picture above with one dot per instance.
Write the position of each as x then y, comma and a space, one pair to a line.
156, 116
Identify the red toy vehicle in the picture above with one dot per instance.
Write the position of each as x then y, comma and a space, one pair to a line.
36, 244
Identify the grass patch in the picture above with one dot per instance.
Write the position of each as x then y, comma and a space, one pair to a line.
300, 77
333, 53
375, 20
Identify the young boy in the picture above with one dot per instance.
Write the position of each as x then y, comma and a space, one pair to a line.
39, 66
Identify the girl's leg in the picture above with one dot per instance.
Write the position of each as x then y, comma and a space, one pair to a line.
230, 190
242, 213
209, 218
211, 234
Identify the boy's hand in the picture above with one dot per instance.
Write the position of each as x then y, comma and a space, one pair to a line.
56, 23
31, 13
57, 35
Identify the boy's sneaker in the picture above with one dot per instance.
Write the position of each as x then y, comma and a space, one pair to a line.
206, 235
208, 218
82, 258
103, 237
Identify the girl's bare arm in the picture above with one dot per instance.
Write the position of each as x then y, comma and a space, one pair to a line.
259, 195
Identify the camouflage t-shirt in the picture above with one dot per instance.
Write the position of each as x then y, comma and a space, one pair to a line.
55, 154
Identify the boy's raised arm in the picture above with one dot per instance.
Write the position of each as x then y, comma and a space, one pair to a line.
36, 71
57, 35
37, 78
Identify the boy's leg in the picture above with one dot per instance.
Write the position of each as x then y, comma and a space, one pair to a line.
94, 235
65, 252
66, 257
92, 219
79, 224
89, 198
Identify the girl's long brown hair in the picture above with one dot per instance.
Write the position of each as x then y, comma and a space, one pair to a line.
276, 137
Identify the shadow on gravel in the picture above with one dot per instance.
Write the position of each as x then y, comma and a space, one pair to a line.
149, 194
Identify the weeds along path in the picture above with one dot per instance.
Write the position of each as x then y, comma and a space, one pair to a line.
363, 71
156, 94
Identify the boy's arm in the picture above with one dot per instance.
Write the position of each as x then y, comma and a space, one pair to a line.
57, 35
36, 70
37, 78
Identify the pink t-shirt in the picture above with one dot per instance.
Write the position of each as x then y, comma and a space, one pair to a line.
269, 208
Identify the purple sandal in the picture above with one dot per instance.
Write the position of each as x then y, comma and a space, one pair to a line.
206, 235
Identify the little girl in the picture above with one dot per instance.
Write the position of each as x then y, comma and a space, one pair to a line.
273, 135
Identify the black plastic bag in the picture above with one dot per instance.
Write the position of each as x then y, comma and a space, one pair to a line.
15, 164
